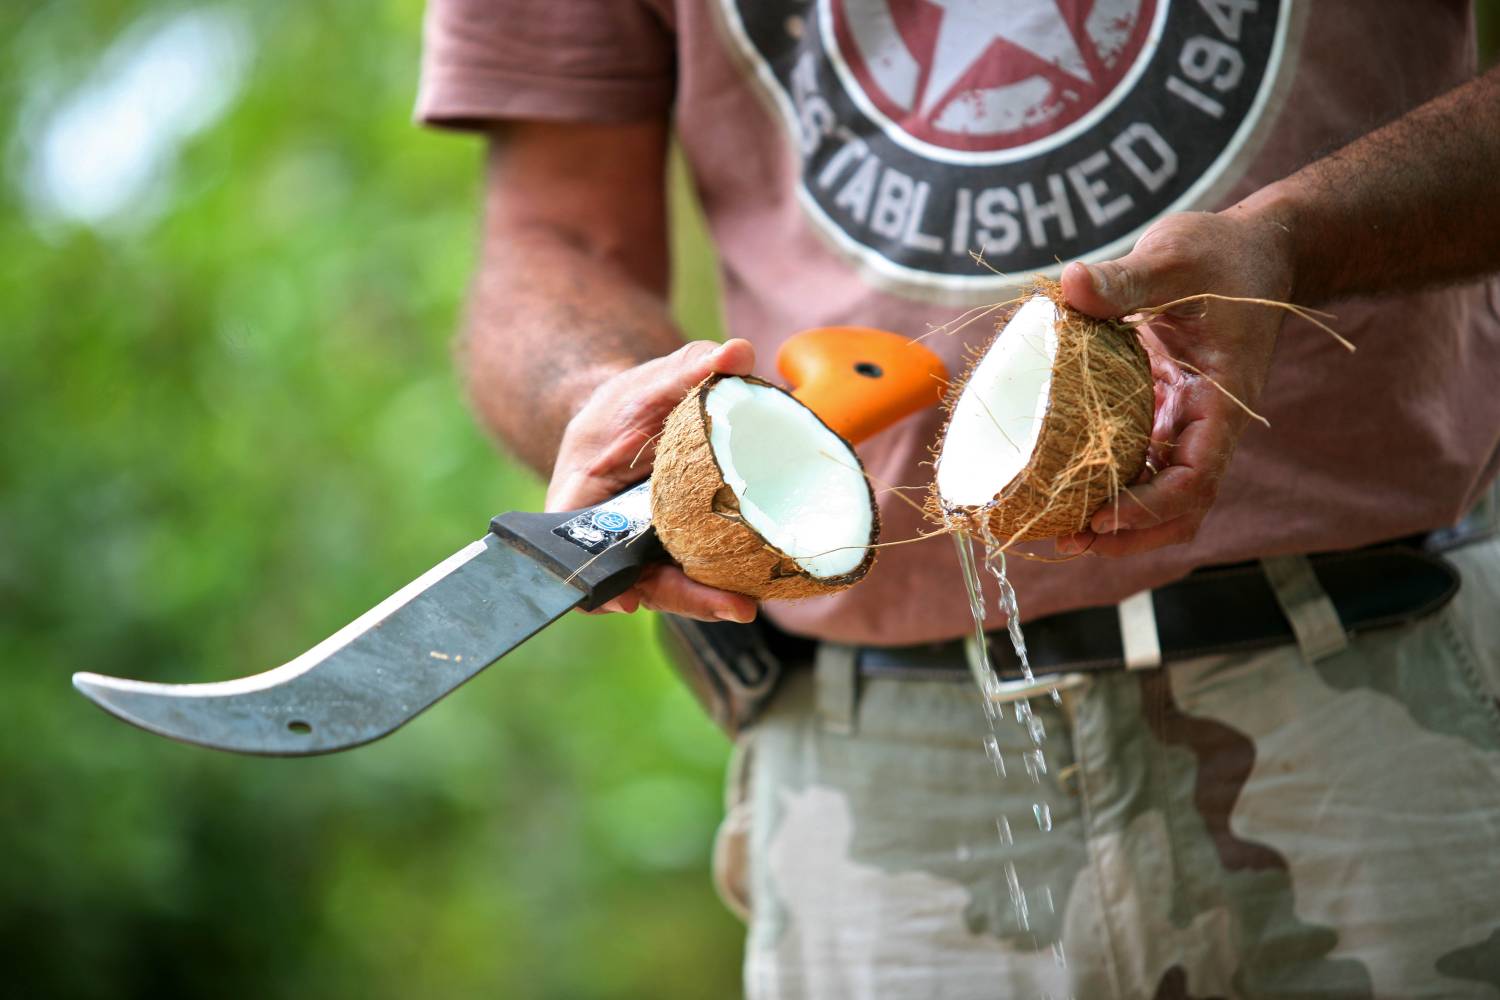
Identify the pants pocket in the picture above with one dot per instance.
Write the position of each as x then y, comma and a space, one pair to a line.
731, 852
1470, 625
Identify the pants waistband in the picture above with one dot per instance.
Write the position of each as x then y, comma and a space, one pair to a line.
1316, 601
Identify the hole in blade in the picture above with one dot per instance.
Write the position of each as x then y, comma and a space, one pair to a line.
298, 726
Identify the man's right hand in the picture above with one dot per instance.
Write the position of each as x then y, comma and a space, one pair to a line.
610, 445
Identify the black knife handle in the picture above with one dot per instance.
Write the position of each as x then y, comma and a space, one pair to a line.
601, 550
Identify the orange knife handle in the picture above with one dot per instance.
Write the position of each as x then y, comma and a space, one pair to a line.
861, 380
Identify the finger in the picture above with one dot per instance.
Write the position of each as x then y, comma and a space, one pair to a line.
660, 385
1155, 271
672, 377
1074, 545
1174, 492
612, 437
1196, 461
735, 357
1169, 494
574, 488
1178, 531
625, 604
667, 588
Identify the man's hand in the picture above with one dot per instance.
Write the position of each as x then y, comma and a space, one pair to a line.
1233, 253
610, 444
1410, 205
571, 300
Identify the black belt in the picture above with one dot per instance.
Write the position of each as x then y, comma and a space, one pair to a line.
1214, 610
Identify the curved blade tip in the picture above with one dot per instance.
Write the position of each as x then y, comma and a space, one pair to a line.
91, 685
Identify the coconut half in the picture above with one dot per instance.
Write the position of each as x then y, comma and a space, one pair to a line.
751, 492
1050, 421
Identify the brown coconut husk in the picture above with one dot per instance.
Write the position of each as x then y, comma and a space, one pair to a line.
697, 516
1093, 439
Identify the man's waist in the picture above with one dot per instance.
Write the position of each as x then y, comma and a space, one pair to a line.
1214, 610
1316, 601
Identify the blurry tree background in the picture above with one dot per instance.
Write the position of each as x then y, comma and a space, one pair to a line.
231, 271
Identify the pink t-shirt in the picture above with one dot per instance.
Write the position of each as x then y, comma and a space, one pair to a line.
850, 153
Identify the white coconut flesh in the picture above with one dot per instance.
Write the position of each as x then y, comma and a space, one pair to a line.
798, 484
998, 415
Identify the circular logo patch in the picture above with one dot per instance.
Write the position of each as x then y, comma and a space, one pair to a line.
972, 76
1026, 132
609, 520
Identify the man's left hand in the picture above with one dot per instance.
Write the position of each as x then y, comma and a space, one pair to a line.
1233, 253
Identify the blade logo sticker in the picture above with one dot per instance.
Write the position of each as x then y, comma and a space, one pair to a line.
1029, 130
617, 519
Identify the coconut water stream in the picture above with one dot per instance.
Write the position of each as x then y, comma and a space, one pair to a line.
992, 689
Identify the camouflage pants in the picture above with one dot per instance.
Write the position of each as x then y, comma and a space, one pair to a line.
1234, 826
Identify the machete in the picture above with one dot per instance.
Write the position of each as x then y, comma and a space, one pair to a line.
381, 670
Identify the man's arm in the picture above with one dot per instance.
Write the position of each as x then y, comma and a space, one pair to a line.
572, 280
1413, 204
570, 354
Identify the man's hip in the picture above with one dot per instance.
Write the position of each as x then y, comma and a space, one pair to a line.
1249, 824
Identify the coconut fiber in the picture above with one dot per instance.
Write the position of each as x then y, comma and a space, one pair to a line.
1093, 439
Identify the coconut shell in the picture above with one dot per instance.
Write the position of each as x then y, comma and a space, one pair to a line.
697, 515
1093, 439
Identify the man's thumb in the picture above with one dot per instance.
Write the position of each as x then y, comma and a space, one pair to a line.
1108, 290
695, 361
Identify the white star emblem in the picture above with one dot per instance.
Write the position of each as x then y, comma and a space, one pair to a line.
969, 27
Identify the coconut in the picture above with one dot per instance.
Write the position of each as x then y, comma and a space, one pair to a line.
751, 492
1050, 421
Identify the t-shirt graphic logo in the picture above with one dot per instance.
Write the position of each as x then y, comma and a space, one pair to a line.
979, 75
1032, 131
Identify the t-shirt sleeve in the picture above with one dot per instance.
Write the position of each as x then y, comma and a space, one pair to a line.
545, 60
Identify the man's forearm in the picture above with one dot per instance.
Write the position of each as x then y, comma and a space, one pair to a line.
572, 281
548, 322
1413, 204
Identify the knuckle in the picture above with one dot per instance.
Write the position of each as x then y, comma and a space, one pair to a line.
1166, 243
695, 352
1177, 244
1172, 255
1197, 488
1122, 282
633, 411
618, 382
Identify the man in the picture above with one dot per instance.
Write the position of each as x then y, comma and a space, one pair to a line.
1306, 813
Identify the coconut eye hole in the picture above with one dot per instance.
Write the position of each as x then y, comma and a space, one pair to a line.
868, 369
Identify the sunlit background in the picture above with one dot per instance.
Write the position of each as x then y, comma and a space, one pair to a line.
231, 271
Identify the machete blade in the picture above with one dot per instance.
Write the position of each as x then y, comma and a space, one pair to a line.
370, 677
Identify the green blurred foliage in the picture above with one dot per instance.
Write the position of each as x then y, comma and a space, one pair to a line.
231, 424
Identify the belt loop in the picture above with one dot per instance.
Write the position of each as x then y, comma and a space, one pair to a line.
1487, 510
1306, 605
836, 680
1138, 635
1480, 523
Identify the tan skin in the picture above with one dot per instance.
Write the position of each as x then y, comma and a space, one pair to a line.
1410, 205
571, 354
573, 360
